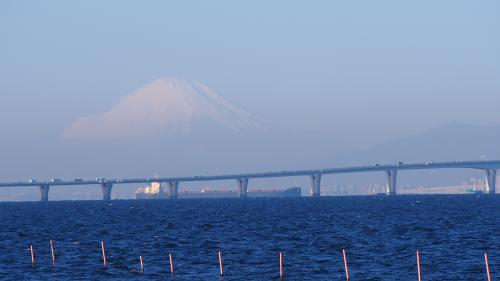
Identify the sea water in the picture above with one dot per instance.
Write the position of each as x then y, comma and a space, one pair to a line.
379, 233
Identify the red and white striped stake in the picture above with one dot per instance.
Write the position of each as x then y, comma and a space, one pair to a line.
33, 262
104, 261
171, 264
281, 266
142, 264
53, 253
345, 265
220, 264
418, 266
487, 265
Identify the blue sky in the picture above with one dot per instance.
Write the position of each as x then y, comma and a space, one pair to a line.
364, 72
290, 62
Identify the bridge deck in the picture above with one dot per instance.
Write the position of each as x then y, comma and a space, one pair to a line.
484, 165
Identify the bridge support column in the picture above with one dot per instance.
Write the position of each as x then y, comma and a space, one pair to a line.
173, 188
106, 190
316, 185
44, 192
242, 188
391, 182
491, 180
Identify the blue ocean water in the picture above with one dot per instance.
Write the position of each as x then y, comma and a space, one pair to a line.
380, 235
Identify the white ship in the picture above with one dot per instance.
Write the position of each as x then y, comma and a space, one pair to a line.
153, 191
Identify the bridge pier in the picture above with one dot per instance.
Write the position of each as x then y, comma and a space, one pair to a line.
316, 185
106, 190
242, 188
173, 188
491, 180
391, 182
44, 192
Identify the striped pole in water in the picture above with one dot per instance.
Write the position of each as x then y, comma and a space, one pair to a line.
345, 265
104, 261
32, 251
220, 264
487, 265
418, 266
171, 263
281, 266
53, 253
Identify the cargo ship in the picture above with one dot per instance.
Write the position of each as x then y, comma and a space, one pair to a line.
256, 193
156, 191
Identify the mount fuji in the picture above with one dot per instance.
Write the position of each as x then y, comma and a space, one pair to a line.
167, 105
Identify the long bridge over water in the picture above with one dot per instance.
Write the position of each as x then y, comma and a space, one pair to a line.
488, 166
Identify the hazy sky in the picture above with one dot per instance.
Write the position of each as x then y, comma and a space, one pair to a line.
392, 67
362, 71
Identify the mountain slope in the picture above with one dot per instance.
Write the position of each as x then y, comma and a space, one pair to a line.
454, 141
167, 104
